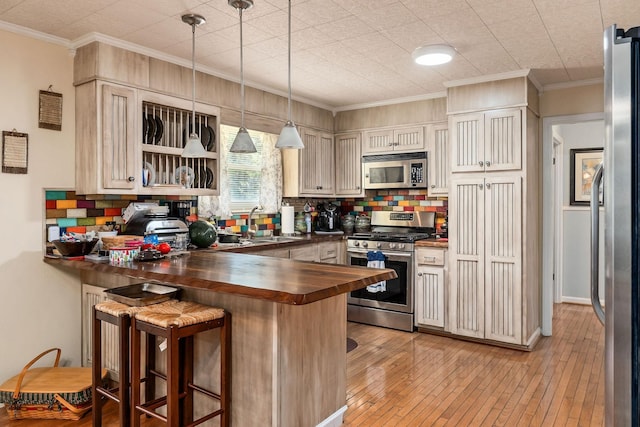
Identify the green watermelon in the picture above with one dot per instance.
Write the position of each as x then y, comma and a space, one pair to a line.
202, 234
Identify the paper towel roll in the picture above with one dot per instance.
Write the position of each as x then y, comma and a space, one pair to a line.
287, 219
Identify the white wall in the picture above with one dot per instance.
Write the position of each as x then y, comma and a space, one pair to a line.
39, 305
576, 220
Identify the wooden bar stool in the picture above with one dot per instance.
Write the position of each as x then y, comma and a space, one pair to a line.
178, 322
117, 314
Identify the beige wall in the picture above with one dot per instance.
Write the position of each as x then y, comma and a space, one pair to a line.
574, 100
39, 305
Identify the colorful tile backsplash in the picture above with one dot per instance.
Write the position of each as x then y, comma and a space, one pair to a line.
82, 213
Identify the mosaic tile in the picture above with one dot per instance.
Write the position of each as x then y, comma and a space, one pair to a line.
102, 220
77, 229
112, 211
66, 204
88, 204
409, 208
55, 195
56, 213
102, 204
50, 204
76, 213
86, 221
67, 222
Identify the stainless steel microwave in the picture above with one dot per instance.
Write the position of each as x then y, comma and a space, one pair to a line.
403, 170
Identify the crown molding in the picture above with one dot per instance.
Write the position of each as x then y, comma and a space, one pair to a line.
386, 102
489, 78
28, 32
569, 85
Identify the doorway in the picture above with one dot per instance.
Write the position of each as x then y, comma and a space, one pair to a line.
556, 146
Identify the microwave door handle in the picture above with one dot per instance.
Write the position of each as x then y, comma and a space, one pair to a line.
595, 241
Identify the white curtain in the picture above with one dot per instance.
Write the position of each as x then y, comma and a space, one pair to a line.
270, 185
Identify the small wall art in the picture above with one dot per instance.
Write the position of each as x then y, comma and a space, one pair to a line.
50, 110
15, 152
583, 167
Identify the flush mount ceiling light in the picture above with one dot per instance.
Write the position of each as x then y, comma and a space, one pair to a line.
289, 137
242, 143
194, 147
434, 54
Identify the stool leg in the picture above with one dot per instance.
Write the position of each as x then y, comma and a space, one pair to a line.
173, 381
96, 377
225, 371
124, 324
149, 366
186, 364
135, 373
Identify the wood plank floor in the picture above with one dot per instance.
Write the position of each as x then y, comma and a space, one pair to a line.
413, 379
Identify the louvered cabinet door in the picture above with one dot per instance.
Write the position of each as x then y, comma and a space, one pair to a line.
503, 140
503, 259
429, 288
438, 156
317, 173
467, 142
348, 165
466, 256
118, 140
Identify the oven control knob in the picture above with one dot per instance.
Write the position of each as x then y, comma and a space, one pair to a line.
378, 245
356, 243
401, 246
365, 244
392, 245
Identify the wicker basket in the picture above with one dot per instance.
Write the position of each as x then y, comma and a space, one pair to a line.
48, 393
119, 241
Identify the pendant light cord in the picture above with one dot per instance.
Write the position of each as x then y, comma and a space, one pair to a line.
193, 81
289, 60
241, 73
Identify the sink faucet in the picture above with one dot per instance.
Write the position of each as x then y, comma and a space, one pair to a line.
251, 232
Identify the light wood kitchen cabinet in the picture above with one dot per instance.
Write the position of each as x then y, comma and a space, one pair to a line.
106, 131
330, 252
348, 160
486, 141
430, 287
397, 140
486, 257
122, 131
317, 166
438, 158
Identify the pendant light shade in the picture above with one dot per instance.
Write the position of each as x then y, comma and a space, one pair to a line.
242, 143
289, 136
194, 147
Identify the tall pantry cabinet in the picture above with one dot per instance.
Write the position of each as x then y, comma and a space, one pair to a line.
494, 212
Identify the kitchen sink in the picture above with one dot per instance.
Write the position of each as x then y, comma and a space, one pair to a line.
275, 239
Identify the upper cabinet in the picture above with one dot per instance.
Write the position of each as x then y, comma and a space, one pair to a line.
397, 140
317, 166
438, 157
349, 165
486, 141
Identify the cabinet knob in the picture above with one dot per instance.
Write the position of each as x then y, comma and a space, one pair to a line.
433, 186
391, 144
488, 163
131, 179
419, 274
488, 185
357, 187
481, 163
480, 186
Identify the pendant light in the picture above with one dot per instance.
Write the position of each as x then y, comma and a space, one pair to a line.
194, 147
289, 136
242, 143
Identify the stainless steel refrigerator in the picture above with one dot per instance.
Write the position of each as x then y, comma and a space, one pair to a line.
620, 175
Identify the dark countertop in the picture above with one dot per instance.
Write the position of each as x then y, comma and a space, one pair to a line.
303, 239
273, 279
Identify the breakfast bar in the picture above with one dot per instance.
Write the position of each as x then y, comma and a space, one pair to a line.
288, 330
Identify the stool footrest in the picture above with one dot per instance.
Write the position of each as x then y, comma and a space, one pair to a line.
204, 391
111, 394
206, 417
151, 413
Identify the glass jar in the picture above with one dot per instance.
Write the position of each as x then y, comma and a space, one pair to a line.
300, 225
363, 224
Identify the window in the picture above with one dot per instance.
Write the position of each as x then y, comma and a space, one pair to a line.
246, 180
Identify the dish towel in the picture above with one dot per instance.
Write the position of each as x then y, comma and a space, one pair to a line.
375, 259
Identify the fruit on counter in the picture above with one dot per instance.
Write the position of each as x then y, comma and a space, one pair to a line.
202, 234
147, 246
164, 248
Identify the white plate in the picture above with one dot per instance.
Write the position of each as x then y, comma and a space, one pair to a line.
151, 180
184, 176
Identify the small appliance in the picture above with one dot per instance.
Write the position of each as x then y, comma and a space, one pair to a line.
402, 170
328, 218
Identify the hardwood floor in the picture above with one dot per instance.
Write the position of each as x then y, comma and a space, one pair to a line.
402, 379
412, 379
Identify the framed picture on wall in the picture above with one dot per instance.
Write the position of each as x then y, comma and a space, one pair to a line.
583, 167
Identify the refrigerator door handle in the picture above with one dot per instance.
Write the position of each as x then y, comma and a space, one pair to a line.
595, 242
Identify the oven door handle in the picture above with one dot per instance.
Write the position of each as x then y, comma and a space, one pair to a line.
386, 253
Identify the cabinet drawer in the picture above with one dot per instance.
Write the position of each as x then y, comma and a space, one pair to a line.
304, 253
328, 251
430, 256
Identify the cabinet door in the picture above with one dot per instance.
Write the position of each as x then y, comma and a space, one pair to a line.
379, 141
503, 259
118, 138
408, 139
329, 252
348, 165
439, 167
503, 140
304, 253
466, 256
317, 168
429, 290
467, 146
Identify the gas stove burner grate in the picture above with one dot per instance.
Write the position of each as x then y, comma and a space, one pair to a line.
390, 237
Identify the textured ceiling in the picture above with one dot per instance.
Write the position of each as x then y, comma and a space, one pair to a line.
351, 52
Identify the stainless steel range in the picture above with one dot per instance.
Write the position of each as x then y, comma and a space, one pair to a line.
393, 234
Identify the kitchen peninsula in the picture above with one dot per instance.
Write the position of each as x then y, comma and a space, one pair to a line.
288, 333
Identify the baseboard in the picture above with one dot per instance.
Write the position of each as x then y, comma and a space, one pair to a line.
335, 419
575, 300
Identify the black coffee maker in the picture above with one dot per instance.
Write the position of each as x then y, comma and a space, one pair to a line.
328, 217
